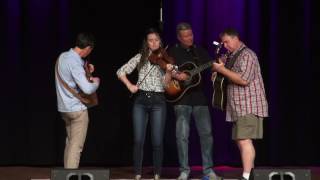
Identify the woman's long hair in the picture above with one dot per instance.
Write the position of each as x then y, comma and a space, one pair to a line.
144, 51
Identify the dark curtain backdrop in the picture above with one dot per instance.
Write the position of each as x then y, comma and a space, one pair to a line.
283, 34
34, 33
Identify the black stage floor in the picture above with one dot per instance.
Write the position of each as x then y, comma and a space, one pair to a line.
44, 173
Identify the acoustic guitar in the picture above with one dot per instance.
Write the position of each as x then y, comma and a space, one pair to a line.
176, 89
219, 96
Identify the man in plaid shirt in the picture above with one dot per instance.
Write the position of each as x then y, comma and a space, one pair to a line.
246, 100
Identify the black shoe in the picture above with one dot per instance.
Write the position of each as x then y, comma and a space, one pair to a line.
251, 174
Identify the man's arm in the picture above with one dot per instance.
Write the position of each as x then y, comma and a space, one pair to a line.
231, 75
79, 75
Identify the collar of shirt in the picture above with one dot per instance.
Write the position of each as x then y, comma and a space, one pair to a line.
242, 45
186, 48
76, 56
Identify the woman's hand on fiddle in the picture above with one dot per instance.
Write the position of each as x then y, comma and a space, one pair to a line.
132, 88
169, 67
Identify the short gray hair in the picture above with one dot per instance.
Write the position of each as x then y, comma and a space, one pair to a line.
183, 26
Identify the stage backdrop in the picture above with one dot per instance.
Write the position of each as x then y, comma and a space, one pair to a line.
284, 36
34, 34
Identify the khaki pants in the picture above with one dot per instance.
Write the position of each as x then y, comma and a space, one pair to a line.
76, 127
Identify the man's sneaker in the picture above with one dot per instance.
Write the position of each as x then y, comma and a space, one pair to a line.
156, 177
183, 176
137, 177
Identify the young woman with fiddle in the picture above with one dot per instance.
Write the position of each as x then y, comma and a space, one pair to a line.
152, 63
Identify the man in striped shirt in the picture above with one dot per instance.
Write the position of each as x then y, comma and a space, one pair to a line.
246, 100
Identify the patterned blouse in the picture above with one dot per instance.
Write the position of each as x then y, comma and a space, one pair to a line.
152, 82
250, 99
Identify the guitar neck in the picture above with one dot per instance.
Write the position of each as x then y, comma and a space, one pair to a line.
206, 65
200, 68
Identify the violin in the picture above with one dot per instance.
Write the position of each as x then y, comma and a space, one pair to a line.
161, 58
87, 70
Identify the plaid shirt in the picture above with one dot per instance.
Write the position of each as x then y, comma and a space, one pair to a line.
152, 82
250, 99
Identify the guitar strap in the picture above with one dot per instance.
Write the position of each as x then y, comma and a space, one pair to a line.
231, 60
65, 85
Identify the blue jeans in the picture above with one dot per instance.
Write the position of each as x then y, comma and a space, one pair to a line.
149, 106
203, 123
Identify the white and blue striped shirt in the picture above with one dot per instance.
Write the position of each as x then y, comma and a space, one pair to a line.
71, 71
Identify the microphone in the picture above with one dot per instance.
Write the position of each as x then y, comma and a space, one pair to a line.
219, 45
216, 43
